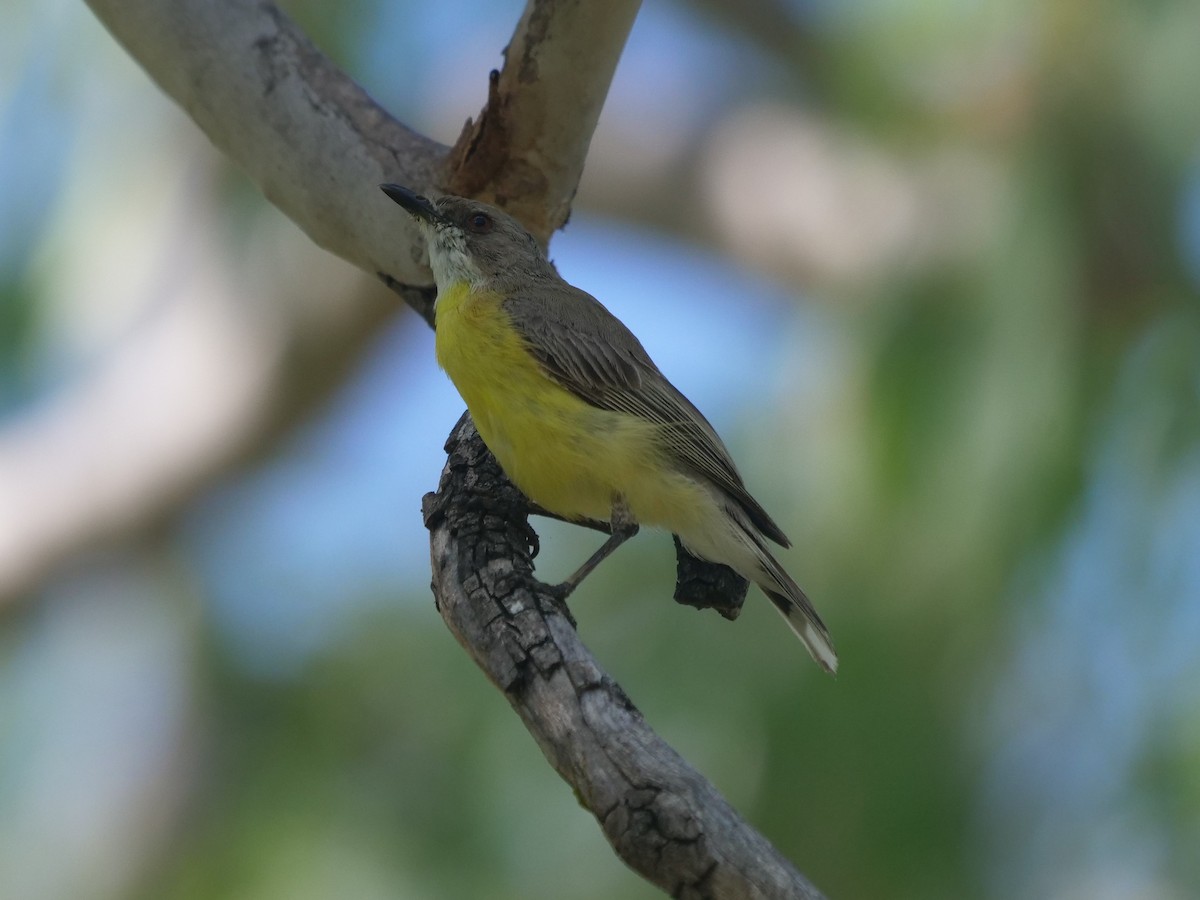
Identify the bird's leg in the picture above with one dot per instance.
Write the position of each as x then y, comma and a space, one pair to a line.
624, 526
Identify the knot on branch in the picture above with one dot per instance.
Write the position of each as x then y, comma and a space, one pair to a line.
708, 585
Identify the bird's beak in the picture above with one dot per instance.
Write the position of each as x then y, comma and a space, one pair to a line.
417, 206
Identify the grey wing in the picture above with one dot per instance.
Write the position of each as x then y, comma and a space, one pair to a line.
587, 350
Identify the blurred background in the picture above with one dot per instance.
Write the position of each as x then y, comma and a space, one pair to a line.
930, 267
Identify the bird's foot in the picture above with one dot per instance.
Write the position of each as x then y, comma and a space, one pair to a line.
555, 596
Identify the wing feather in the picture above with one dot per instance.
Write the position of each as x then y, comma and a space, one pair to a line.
587, 350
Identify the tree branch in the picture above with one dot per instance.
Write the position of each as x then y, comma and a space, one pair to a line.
526, 150
308, 136
661, 816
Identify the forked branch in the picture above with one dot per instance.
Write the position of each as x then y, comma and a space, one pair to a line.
318, 146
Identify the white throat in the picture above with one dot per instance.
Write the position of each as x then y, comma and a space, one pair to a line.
449, 259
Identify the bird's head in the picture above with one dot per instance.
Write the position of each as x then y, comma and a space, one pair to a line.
471, 241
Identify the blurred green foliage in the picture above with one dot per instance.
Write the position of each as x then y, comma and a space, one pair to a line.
994, 399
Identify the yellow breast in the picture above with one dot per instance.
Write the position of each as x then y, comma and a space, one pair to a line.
565, 454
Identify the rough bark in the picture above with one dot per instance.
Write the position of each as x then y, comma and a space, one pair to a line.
661, 816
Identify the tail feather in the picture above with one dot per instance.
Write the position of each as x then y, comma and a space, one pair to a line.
807, 626
797, 610
737, 542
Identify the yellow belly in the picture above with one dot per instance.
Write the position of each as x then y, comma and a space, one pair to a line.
565, 454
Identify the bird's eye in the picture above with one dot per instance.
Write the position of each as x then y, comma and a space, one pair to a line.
480, 223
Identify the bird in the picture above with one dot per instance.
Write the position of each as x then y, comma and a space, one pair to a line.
577, 413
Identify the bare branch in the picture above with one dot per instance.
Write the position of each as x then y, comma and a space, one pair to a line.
526, 149
311, 138
661, 816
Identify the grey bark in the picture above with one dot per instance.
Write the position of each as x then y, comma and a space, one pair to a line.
662, 817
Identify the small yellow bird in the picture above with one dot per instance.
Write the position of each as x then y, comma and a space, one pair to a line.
576, 412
